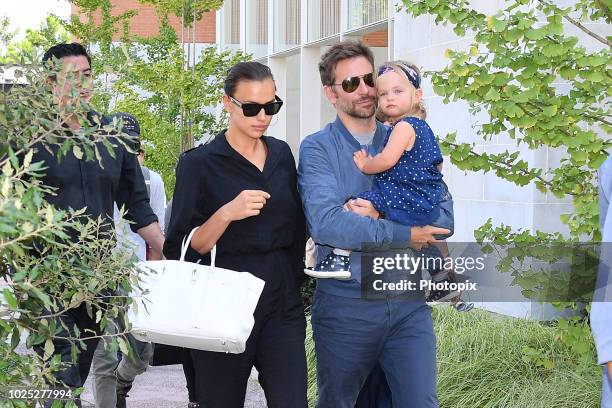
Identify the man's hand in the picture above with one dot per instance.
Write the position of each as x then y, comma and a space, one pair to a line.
420, 236
154, 255
610, 371
153, 236
362, 207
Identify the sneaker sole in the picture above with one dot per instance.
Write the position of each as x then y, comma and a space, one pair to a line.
328, 274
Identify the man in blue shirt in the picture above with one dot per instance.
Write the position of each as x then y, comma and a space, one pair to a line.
353, 335
601, 308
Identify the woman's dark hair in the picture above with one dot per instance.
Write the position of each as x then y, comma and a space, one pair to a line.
245, 71
60, 51
339, 52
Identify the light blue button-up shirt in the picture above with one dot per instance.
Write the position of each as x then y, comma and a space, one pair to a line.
327, 178
601, 308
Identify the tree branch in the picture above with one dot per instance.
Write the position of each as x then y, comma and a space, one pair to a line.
509, 165
598, 119
588, 32
581, 27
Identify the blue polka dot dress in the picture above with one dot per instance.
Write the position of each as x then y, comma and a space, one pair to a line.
409, 192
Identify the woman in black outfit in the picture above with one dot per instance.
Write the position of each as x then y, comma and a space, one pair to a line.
241, 190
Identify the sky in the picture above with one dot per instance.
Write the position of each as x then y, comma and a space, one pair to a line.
24, 14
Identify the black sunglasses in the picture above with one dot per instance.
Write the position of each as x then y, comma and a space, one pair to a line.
252, 109
351, 84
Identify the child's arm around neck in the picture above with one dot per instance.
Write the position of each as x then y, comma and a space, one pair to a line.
402, 138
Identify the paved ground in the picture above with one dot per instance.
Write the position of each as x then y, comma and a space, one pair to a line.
164, 387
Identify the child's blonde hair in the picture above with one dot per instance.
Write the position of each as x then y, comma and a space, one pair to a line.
412, 74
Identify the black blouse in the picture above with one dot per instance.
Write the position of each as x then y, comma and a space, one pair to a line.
269, 245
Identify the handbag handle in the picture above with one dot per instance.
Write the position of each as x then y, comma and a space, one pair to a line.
187, 242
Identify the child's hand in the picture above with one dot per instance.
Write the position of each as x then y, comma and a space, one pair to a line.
361, 157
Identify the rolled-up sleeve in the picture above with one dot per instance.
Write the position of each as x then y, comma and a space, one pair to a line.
328, 223
132, 194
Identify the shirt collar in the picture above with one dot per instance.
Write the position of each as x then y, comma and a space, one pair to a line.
220, 146
379, 135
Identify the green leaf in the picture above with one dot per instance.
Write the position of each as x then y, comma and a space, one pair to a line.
535, 34
568, 73
594, 76
553, 50
78, 153
499, 25
492, 94
10, 298
462, 71
123, 346
555, 28
41, 295
513, 35
550, 111
15, 338
49, 349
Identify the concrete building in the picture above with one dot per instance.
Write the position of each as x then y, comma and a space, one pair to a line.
146, 22
291, 35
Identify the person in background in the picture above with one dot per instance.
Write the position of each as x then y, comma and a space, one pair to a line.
168, 215
112, 379
183, 354
601, 308
94, 186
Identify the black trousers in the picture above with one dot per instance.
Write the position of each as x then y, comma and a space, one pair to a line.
275, 348
75, 374
189, 374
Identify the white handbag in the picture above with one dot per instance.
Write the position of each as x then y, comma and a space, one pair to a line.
195, 306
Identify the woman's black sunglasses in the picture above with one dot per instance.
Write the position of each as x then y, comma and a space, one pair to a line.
252, 109
351, 84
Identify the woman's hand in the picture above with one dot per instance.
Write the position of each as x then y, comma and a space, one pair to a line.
246, 204
361, 157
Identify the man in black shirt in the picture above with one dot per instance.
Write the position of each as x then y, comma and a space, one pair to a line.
94, 185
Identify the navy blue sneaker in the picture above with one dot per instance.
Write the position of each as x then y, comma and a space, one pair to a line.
334, 266
463, 307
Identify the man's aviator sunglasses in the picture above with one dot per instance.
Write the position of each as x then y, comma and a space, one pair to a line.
252, 109
351, 84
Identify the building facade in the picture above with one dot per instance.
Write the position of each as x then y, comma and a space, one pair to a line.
291, 35
146, 22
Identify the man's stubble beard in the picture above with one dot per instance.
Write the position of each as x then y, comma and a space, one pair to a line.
354, 111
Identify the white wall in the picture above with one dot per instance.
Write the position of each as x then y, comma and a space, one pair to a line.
481, 196
478, 196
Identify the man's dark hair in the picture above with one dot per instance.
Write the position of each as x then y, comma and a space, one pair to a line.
60, 51
245, 71
339, 52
